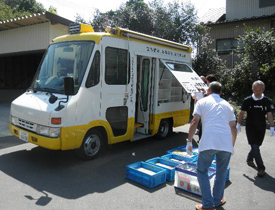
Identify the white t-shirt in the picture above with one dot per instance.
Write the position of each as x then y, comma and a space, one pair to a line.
216, 113
198, 95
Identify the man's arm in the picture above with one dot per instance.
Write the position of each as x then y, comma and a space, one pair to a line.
240, 116
233, 128
193, 127
271, 122
270, 119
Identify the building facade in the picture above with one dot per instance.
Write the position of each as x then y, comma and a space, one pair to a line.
23, 42
229, 26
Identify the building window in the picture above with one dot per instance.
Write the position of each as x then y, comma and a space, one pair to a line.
266, 3
116, 71
229, 45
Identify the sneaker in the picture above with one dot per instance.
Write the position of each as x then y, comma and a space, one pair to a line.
200, 207
251, 164
223, 201
261, 173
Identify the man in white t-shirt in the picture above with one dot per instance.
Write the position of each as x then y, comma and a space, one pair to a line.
218, 139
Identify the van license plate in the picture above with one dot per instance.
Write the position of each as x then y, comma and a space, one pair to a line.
23, 135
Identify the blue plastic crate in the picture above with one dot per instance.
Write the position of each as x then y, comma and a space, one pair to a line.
186, 178
213, 165
182, 151
146, 174
194, 149
177, 158
168, 165
191, 168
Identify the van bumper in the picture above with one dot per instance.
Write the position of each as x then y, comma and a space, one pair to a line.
42, 141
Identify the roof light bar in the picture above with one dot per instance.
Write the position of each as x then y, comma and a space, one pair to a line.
76, 28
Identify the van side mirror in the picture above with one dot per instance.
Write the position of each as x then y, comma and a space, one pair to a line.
69, 86
68, 91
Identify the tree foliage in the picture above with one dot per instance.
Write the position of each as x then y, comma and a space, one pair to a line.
134, 15
5, 11
175, 22
257, 62
16, 8
207, 60
23, 6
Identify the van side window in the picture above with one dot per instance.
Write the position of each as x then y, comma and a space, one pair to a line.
116, 66
93, 77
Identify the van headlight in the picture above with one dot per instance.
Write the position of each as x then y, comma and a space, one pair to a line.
13, 120
48, 131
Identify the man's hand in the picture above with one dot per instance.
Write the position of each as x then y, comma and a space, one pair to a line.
189, 148
272, 131
238, 128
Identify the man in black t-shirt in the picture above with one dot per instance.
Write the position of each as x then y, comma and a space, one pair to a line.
257, 107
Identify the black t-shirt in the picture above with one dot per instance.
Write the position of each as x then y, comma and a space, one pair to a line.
256, 110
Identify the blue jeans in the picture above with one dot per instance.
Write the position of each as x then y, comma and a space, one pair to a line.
204, 161
255, 154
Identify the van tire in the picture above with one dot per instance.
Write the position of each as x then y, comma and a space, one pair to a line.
92, 145
165, 129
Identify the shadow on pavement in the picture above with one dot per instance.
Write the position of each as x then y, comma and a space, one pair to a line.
9, 141
61, 173
266, 183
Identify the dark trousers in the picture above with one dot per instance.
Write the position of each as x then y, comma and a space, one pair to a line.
255, 154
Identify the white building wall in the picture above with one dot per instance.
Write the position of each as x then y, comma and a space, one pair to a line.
238, 9
30, 38
58, 30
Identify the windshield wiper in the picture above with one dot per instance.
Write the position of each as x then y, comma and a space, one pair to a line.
34, 90
52, 98
48, 90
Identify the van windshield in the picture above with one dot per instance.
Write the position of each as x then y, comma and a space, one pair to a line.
67, 59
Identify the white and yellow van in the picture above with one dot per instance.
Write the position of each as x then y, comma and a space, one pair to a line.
94, 88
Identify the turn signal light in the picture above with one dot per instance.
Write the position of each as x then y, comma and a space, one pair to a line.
56, 121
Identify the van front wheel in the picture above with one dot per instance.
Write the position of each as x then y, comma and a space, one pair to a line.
165, 128
91, 146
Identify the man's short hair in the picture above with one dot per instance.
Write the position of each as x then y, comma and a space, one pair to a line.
211, 78
215, 87
258, 82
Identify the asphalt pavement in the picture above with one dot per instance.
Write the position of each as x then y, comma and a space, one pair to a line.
34, 178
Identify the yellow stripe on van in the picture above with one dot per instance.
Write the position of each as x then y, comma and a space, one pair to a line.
72, 137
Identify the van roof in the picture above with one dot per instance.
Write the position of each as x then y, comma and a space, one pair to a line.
122, 33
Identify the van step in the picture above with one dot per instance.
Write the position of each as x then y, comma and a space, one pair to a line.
138, 125
138, 136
